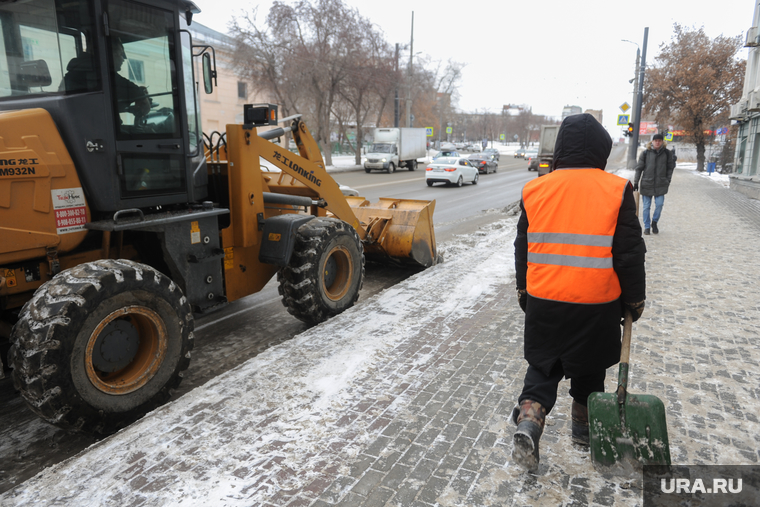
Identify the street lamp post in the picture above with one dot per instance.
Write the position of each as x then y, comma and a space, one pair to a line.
639, 98
395, 103
633, 147
409, 117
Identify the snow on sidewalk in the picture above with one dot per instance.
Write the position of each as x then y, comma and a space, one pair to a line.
275, 422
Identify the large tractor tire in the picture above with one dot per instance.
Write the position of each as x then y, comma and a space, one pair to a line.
326, 270
101, 344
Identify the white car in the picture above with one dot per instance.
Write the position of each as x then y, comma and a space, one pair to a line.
346, 190
452, 171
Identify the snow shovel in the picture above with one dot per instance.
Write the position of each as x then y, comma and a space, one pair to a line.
625, 427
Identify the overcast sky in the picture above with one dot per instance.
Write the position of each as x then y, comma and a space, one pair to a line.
546, 54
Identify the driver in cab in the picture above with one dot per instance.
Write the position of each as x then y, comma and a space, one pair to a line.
130, 98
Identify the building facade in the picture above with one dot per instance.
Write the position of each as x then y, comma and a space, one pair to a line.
225, 104
571, 110
596, 113
746, 113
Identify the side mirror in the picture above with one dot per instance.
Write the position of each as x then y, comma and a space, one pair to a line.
208, 74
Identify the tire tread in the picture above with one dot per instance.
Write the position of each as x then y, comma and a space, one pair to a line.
40, 359
299, 282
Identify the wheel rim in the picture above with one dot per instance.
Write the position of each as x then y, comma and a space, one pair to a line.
112, 343
337, 273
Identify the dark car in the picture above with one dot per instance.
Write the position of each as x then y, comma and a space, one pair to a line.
492, 151
485, 163
532, 157
520, 153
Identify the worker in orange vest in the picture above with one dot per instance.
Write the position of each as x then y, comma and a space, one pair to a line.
579, 260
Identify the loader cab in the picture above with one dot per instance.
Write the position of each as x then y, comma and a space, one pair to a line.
117, 78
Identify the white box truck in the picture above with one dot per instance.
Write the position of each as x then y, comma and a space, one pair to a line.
546, 141
392, 148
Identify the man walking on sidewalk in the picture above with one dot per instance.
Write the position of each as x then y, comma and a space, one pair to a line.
579, 260
655, 169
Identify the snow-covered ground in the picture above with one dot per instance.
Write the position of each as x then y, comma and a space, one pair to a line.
721, 179
287, 397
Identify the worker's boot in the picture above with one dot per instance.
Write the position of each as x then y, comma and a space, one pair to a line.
580, 423
530, 418
655, 230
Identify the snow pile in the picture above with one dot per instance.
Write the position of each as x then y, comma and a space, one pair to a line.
721, 179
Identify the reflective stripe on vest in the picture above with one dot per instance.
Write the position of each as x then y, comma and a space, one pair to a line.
572, 215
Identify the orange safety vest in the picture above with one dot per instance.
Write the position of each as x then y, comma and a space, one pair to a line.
572, 215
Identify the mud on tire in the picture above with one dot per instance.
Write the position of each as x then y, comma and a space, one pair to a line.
326, 271
101, 344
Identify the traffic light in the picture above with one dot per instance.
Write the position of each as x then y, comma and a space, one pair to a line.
630, 129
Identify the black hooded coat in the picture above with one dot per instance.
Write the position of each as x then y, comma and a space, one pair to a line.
585, 338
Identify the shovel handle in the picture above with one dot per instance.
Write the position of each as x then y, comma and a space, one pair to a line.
636, 198
625, 353
625, 349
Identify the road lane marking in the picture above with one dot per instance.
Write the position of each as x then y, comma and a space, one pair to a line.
387, 183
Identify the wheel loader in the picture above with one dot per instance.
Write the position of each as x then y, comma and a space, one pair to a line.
119, 224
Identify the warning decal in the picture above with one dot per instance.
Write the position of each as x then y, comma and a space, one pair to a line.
70, 210
195, 233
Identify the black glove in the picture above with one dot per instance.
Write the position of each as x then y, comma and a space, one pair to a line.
636, 309
635, 187
522, 298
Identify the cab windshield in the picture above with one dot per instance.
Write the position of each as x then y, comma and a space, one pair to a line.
381, 148
41, 40
144, 72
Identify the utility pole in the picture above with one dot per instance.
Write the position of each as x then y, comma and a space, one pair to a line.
632, 148
395, 103
639, 98
409, 79
440, 117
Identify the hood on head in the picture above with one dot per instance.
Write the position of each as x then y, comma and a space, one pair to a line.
581, 142
651, 147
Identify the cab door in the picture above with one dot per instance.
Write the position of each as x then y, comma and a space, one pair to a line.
145, 99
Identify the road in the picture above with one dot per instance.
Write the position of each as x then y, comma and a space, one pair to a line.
249, 326
453, 204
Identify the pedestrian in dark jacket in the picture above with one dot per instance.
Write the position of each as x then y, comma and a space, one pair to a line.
655, 169
579, 260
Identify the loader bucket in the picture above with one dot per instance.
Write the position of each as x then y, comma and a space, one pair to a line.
397, 229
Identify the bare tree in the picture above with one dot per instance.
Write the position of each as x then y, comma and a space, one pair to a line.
423, 94
694, 82
369, 68
447, 79
264, 60
303, 55
322, 59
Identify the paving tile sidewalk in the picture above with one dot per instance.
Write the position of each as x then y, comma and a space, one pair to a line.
424, 377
